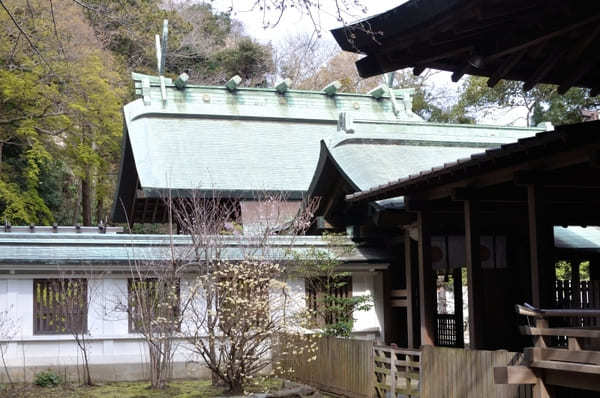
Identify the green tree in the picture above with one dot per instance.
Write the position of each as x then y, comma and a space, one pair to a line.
542, 103
52, 92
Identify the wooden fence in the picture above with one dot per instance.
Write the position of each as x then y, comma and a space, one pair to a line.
460, 373
342, 366
397, 372
578, 295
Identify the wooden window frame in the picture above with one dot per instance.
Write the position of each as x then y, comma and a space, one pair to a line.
39, 315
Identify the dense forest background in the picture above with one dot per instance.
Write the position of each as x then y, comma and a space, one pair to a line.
64, 77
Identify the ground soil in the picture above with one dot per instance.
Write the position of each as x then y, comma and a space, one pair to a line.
176, 389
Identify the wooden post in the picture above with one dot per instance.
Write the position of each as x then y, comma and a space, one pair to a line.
576, 282
541, 245
458, 306
409, 290
427, 298
474, 274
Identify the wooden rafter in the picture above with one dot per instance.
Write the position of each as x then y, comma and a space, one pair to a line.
509, 63
544, 68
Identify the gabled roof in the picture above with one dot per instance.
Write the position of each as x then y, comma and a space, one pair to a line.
535, 41
376, 153
565, 138
249, 141
234, 143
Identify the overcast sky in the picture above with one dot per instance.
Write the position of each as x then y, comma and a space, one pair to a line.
294, 22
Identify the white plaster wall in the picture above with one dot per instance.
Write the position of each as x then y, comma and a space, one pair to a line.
371, 321
109, 339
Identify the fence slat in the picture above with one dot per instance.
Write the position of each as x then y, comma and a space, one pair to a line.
463, 373
342, 366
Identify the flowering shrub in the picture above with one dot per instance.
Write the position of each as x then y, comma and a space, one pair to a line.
252, 311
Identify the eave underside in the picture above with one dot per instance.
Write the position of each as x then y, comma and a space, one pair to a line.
536, 41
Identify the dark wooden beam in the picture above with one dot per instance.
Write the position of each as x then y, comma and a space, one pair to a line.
417, 70
586, 39
544, 68
542, 37
474, 275
577, 73
427, 297
424, 58
509, 63
562, 179
460, 72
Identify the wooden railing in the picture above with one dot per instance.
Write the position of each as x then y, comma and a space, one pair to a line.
576, 366
397, 372
578, 295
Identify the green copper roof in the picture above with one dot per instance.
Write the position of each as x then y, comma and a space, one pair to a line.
41, 251
252, 139
378, 152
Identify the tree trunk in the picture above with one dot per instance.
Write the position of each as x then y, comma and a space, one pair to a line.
86, 199
76, 205
99, 209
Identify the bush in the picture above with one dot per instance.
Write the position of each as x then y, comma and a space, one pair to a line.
47, 379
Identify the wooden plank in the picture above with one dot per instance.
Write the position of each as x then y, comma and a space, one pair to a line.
567, 366
580, 356
514, 375
541, 313
399, 303
532, 331
399, 293
427, 297
474, 274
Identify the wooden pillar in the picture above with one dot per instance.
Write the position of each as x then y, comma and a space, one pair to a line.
458, 306
541, 248
576, 281
409, 290
427, 298
474, 274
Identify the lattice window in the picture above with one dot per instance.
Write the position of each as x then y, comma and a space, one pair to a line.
446, 335
60, 306
317, 289
150, 299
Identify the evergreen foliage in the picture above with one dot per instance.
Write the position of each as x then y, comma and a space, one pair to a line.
61, 96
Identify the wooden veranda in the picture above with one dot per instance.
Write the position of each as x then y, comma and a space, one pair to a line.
518, 194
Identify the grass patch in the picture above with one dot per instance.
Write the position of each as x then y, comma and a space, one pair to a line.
141, 389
